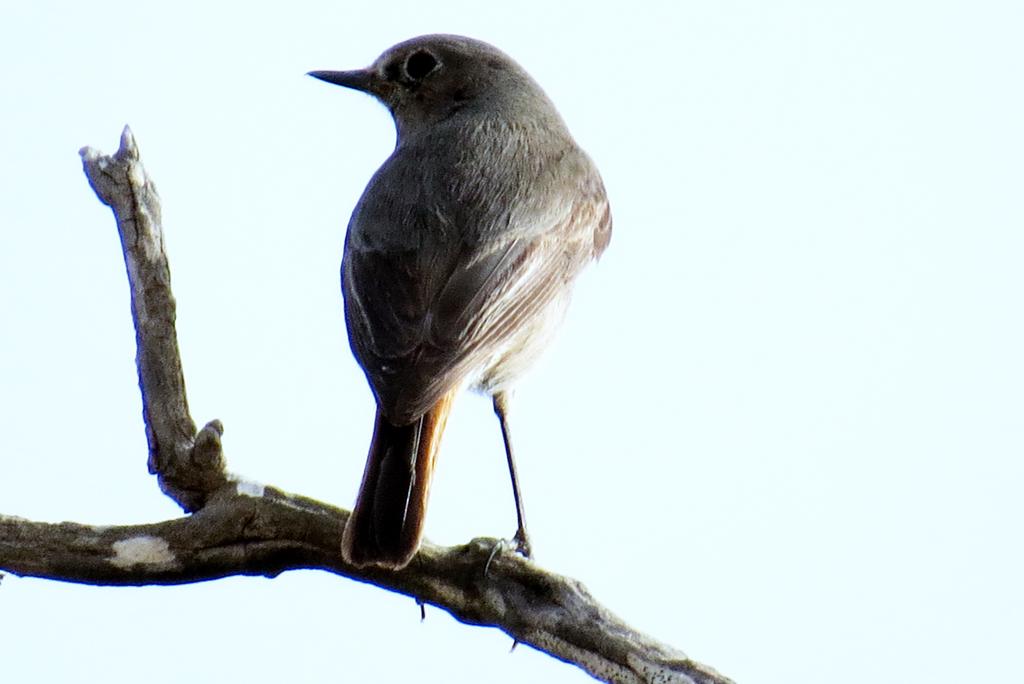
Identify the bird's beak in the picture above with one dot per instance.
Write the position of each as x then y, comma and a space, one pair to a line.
360, 79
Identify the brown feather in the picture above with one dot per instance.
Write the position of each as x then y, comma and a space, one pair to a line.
386, 524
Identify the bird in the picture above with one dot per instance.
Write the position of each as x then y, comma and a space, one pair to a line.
458, 264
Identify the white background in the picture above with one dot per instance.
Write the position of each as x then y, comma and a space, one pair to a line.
782, 430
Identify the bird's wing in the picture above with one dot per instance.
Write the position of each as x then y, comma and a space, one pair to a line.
420, 320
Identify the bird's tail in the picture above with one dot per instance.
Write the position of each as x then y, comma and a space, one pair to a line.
387, 521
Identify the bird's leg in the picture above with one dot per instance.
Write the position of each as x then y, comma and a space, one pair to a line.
521, 539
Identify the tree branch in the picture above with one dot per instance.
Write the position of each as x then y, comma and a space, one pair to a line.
189, 467
252, 530
240, 528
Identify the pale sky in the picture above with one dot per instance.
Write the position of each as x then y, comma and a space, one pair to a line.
782, 429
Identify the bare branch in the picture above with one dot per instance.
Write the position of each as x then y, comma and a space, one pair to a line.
121, 183
239, 528
265, 534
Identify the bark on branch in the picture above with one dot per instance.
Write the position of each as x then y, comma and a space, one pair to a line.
265, 532
239, 528
189, 467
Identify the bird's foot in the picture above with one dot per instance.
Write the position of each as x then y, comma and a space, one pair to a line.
520, 543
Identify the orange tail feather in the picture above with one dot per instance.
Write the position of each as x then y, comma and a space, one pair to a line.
386, 524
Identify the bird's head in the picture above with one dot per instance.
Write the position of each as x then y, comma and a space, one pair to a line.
432, 78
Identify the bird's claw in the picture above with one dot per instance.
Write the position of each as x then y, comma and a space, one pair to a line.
519, 542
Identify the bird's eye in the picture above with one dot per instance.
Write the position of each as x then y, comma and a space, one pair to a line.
420, 64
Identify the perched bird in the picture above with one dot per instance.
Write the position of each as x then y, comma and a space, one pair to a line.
459, 262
